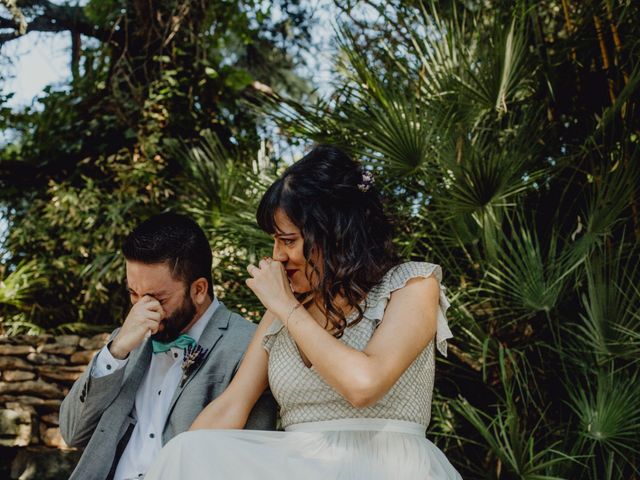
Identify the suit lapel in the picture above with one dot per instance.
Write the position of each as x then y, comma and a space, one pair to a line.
210, 336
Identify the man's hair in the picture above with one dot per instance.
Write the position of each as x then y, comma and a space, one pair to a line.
176, 240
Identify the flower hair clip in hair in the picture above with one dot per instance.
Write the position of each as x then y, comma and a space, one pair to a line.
367, 182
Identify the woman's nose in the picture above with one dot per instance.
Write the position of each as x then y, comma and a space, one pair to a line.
278, 254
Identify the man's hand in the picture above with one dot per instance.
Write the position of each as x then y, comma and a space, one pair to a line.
144, 317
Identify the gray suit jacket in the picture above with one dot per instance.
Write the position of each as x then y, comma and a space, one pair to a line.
97, 412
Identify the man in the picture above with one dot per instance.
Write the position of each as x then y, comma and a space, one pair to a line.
141, 389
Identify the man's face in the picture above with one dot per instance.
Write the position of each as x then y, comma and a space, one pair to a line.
155, 280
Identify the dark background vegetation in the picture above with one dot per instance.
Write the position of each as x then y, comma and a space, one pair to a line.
504, 136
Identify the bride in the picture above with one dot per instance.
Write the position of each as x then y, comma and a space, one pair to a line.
347, 345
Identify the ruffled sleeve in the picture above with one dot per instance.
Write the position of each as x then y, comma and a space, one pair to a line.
397, 278
269, 337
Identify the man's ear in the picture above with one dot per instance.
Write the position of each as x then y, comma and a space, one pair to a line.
199, 290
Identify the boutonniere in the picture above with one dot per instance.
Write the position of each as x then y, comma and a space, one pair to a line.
193, 356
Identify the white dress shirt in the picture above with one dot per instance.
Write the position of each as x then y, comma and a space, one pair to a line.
153, 400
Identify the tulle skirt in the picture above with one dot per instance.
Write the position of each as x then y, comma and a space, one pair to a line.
349, 449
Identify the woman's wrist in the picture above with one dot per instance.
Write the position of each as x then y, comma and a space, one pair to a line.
292, 311
283, 308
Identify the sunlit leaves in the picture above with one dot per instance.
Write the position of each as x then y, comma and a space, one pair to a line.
18, 287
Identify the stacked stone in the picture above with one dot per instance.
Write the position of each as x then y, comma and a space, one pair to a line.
37, 372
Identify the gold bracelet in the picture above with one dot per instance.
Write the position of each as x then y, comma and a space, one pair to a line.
293, 309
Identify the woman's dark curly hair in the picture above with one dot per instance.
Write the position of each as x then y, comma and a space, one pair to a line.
340, 215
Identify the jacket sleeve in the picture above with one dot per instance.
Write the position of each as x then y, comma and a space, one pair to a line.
87, 400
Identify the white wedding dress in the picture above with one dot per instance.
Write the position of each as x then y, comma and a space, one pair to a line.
325, 437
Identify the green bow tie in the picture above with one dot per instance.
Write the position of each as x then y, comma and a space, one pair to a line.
182, 342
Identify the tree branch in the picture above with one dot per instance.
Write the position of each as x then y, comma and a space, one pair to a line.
19, 22
51, 18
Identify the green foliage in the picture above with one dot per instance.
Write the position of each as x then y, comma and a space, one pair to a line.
93, 158
223, 189
607, 406
504, 137
76, 229
526, 276
18, 287
610, 305
505, 435
18, 297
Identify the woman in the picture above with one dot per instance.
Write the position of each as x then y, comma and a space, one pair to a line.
346, 345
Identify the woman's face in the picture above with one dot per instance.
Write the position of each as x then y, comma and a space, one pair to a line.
288, 248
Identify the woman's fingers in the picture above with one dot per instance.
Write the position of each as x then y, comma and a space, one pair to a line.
264, 263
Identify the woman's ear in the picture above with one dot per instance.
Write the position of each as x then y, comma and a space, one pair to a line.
199, 290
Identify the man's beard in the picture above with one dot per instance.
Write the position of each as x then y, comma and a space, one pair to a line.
175, 323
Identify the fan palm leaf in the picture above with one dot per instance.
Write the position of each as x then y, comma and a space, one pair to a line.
607, 405
611, 306
223, 189
224, 192
526, 275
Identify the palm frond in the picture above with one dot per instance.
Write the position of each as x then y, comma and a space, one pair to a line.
19, 286
607, 405
611, 317
512, 447
527, 275
609, 197
223, 191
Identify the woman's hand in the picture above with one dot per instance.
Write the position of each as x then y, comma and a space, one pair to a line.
270, 284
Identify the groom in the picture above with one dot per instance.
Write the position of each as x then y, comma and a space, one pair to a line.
176, 351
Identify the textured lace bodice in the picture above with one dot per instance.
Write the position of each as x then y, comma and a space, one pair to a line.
304, 396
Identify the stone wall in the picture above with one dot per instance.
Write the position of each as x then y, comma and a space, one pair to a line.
36, 374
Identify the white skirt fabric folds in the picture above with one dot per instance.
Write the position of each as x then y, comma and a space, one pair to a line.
350, 449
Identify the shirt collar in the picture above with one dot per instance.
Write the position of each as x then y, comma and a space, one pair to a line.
196, 330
